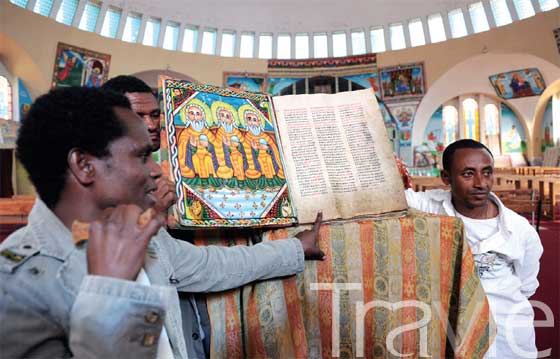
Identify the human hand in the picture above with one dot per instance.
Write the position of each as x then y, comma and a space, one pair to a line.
309, 239
403, 171
118, 242
165, 195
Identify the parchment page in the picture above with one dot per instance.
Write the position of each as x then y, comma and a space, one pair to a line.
338, 156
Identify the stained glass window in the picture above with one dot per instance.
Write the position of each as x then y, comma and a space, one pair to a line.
471, 123
450, 124
492, 125
5, 99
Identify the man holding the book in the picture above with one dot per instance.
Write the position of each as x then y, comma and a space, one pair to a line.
505, 246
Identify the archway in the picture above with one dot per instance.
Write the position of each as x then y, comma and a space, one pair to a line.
151, 76
550, 91
471, 76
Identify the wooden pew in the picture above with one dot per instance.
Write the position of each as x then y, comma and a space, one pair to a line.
13, 213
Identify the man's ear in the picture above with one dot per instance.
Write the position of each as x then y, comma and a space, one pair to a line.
445, 177
81, 166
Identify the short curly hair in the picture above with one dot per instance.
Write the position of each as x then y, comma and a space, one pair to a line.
63, 119
449, 152
126, 83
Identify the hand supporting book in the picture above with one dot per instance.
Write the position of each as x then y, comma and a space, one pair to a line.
309, 238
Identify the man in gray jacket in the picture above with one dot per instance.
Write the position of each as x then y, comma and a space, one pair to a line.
89, 157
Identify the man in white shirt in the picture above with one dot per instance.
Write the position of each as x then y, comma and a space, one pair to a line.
505, 246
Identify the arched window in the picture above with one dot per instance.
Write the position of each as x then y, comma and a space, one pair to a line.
492, 126
471, 126
450, 124
555, 119
5, 99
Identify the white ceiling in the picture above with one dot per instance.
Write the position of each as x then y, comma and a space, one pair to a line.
290, 15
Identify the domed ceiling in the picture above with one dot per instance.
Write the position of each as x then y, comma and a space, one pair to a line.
290, 15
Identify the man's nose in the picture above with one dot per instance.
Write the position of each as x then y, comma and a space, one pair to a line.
478, 180
155, 170
151, 123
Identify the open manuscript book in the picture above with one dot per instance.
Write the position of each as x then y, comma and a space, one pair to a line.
246, 159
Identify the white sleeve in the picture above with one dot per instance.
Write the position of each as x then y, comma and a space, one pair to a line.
417, 200
528, 269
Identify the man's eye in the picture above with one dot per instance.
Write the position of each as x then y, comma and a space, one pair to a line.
467, 174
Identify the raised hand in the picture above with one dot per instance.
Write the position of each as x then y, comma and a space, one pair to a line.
117, 242
309, 239
165, 195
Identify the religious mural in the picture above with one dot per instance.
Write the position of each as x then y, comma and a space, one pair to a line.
224, 157
25, 99
76, 66
404, 116
367, 80
277, 86
245, 81
400, 82
8, 133
518, 83
427, 155
512, 133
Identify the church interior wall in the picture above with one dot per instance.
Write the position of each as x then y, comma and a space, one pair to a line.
451, 68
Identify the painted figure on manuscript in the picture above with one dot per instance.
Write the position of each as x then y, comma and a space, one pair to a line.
228, 122
189, 139
252, 145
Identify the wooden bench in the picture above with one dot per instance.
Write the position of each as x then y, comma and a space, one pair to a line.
523, 201
13, 213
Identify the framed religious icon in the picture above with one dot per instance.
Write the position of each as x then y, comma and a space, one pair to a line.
76, 66
402, 82
244, 81
518, 83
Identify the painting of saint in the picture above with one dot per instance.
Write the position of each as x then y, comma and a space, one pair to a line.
402, 82
245, 81
224, 156
75, 66
518, 83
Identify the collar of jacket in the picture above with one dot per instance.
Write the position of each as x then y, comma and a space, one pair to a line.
53, 238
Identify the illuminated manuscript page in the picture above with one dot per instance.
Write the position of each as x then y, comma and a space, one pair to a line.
338, 156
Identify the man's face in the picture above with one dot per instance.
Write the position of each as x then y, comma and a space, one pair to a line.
252, 120
195, 114
128, 174
146, 106
471, 176
225, 116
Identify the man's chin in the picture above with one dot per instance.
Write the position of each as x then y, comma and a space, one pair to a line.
478, 202
149, 201
155, 143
